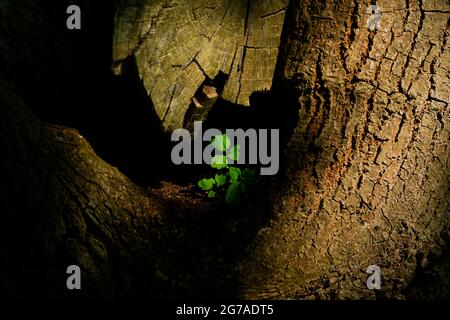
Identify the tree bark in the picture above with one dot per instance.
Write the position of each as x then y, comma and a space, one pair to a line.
366, 175
364, 181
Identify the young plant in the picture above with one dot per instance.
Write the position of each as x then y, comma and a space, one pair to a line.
229, 181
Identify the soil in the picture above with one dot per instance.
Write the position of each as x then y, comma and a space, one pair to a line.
186, 198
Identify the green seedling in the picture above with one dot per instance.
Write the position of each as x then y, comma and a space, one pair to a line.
229, 182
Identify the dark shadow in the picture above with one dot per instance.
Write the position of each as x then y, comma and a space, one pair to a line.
274, 109
128, 133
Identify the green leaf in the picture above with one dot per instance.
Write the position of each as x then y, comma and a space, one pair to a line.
234, 193
206, 184
211, 194
221, 142
249, 176
234, 174
219, 162
234, 153
221, 179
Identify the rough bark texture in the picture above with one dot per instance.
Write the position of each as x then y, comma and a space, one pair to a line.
75, 208
180, 44
366, 177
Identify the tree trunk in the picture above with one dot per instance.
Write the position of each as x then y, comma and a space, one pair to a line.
366, 170
364, 180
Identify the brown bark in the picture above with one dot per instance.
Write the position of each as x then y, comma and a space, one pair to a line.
366, 176
365, 179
